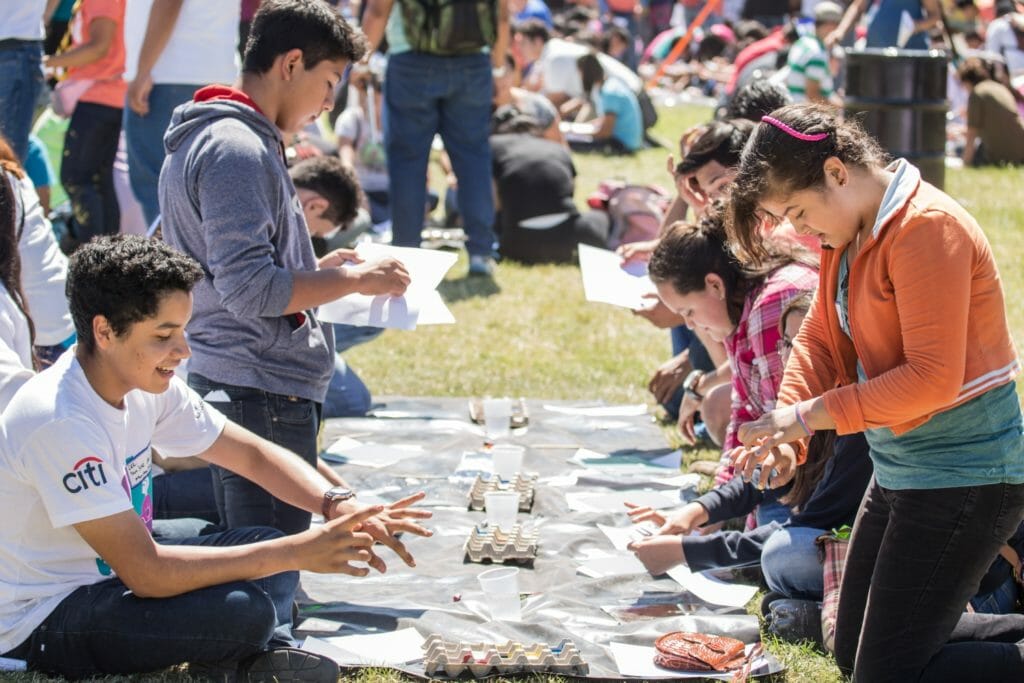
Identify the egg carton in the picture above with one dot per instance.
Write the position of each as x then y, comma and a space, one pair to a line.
520, 414
453, 658
523, 484
490, 543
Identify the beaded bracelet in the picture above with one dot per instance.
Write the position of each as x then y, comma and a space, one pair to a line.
801, 420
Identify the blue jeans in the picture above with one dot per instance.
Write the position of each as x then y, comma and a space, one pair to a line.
790, 564
426, 94
20, 86
1003, 600
144, 141
290, 422
185, 494
106, 629
347, 394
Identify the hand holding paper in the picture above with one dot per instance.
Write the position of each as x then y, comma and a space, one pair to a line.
607, 280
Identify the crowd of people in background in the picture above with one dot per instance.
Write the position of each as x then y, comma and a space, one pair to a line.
798, 268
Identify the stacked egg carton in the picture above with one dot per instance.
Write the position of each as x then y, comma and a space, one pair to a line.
491, 543
452, 659
523, 485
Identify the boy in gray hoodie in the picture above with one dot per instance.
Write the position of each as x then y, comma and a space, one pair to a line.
259, 353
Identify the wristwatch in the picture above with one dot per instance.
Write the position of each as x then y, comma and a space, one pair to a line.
691, 383
333, 495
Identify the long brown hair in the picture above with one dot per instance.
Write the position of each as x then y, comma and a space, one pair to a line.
10, 257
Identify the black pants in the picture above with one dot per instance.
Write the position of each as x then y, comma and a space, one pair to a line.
916, 557
556, 244
87, 170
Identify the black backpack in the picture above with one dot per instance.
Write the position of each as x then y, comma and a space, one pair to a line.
450, 27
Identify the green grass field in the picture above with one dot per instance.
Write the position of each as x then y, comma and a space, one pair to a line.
530, 333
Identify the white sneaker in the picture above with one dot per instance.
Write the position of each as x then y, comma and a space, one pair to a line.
481, 265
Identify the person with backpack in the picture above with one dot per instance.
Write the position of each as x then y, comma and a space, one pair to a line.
440, 77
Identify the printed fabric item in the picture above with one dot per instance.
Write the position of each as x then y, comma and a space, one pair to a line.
834, 551
684, 651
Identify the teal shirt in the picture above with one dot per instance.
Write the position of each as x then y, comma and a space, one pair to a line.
977, 443
616, 98
394, 31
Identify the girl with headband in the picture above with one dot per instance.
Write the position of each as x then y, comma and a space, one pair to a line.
907, 340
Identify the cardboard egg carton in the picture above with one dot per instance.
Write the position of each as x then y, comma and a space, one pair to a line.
490, 543
523, 484
452, 658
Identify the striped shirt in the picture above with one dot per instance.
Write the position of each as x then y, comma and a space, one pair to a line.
808, 61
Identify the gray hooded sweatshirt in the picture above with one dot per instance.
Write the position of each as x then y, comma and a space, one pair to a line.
227, 201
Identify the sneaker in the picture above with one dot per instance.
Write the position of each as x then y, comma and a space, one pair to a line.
795, 621
481, 265
288, 664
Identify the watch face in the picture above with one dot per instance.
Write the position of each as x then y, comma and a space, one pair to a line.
339, 493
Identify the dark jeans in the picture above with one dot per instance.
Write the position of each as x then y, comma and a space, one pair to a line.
288, 421
185, 494
87, 170
106, 629
916, 557
556, 244
21, 64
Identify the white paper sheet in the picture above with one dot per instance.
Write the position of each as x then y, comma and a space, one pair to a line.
374, 649
614, 501
474, 463
605, 280
8, 664
630, 410
710, 589
637, 661
622, 536
349, 451
421, 304
623, 464
611, 565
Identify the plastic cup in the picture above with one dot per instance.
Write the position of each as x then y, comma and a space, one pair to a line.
508, 460
501, 593
497, 417
501, 508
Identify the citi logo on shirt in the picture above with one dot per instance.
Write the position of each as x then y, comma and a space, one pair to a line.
87, 472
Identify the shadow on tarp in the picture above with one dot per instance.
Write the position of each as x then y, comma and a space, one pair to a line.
441, 594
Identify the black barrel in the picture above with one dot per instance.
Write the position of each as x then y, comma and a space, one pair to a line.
899, 96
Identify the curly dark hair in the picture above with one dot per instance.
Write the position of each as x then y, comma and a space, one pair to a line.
688, 252
721, 141
10, 257
123, 278
776, 164
332, 180
312, 26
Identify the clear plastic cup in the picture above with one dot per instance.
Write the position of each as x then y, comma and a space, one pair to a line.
501, 593
497, 417
501, 508
508, 460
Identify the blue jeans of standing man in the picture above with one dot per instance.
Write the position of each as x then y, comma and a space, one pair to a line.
105, 629
290, 422
21, 63
426, 94
144, 140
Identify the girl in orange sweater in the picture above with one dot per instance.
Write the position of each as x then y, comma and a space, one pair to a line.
906, 340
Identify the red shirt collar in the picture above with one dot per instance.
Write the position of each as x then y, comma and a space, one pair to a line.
224, 92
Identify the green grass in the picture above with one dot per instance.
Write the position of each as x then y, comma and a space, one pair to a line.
530, 333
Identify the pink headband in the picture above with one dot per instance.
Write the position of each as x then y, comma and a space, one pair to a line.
789, 130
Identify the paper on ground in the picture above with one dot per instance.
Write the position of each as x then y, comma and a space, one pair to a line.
611, 565
712, 590
622, 536
474, 463
615, 501
349, 451
630, 410
421, 303
637, 661
605, 280
8, 664
374, 649
625, 463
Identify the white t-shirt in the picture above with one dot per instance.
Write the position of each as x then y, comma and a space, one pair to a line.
556, 68
44, 267
1001, 40
67, 456
202, 48
22, 19
15, 348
